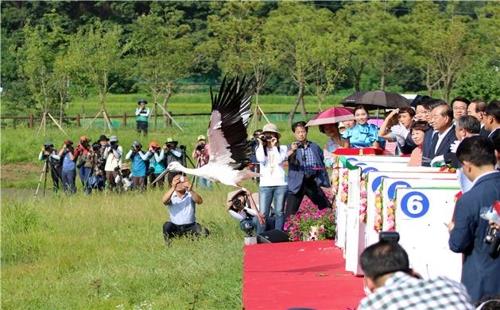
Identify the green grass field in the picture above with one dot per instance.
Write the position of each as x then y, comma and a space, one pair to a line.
106, 251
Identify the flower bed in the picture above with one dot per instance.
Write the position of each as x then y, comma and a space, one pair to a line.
299, 225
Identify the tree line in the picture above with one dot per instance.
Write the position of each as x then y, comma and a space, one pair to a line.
54, 51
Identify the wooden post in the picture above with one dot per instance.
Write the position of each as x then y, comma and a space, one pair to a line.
14, 122
78, 120
169, 121
30, 121
125, 119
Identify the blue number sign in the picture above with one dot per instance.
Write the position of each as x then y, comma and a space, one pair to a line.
415, 204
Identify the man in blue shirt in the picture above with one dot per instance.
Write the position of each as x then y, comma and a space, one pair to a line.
139, 165
306, 172
181, 202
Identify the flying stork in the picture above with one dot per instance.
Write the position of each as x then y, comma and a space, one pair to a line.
227, 135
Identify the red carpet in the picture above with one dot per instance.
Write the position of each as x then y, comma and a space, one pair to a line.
298, 274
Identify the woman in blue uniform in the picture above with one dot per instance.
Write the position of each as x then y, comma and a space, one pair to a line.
362, 134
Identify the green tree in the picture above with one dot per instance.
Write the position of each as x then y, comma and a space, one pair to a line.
443, 46
163, 53
291, 31
96, 51
237, 43
378, 39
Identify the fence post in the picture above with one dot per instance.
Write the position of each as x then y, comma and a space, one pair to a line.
125, 119
78, 120
30, 121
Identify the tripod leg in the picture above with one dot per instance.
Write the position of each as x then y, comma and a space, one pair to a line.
41, 177
45, 179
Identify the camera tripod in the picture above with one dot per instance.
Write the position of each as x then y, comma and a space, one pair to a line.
43, 176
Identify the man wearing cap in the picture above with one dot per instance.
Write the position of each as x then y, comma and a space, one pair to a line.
201, 156
68, 173
49, 154
142, 117
113, 155
173, 153
84, 162
139, 165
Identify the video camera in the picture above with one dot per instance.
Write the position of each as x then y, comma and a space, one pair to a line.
493, 239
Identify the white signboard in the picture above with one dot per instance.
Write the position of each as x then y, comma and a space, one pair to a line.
421, 218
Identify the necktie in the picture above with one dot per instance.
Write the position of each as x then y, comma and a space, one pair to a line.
433, 144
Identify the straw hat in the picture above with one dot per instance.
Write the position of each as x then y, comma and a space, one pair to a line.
270, 127
201, 138
232, 195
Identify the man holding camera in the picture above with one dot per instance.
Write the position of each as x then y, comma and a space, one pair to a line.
142, 117
201, 156
306, 172
181, 201
139, 165
469, 233
174, 153
68, 172
113, 154
52, 162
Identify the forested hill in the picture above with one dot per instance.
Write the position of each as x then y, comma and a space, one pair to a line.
54, 51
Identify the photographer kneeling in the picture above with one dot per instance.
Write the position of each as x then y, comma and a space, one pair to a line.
241, 206
181, 202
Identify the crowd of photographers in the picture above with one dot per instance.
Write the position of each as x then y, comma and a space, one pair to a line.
104, 164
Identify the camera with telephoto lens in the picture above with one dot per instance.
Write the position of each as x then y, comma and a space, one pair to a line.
113, 145
237, 203
493, 239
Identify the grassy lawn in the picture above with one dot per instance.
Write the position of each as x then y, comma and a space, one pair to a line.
106, 251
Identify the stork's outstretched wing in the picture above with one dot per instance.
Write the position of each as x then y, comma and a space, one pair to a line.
227, 132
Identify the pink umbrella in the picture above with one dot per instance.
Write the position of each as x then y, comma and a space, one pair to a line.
332, 116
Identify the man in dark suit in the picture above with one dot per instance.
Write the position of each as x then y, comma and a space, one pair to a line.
437, 142
492, 119
476, 108
481, 270
306, 172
